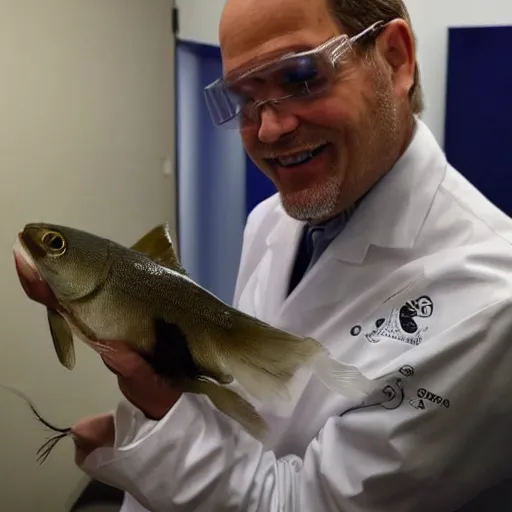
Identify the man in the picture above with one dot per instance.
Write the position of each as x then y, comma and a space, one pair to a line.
404, 270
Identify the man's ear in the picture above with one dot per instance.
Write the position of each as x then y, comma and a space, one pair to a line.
396, 48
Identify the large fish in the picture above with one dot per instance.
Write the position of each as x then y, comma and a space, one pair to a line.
142, 296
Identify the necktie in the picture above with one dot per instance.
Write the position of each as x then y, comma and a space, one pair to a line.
306, 251
315, 239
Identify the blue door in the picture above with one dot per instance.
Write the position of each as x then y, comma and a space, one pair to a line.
217, 183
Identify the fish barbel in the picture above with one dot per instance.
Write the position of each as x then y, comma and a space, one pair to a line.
46, 448
141, 295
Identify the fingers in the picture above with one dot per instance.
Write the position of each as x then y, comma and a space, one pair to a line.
126, 362
91, 433
139, 383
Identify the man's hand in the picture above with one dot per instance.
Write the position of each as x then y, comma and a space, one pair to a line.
139, 383
91, 433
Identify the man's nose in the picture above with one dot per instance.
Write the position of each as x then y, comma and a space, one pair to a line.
275, 124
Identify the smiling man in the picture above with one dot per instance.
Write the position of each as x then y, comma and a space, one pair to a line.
325, 152
375, 246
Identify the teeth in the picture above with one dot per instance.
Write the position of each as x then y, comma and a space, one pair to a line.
299, 158
295, 159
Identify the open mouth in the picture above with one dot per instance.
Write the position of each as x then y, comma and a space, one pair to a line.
35, 287
21, 251
299, 158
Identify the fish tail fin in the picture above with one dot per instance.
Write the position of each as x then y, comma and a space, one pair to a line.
232, 404
341, 378
264, 359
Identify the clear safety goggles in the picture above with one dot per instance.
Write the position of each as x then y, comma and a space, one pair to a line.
295, 77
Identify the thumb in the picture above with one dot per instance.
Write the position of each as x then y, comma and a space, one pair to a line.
91, 433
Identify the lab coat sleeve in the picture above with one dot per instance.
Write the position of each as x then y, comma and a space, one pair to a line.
380, 458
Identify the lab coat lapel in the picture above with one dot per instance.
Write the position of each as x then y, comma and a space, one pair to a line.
274, 270
391, 217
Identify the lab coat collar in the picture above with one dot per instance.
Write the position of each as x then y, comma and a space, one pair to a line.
392, 213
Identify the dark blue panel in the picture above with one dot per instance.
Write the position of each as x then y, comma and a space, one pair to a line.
257, 186
478, 127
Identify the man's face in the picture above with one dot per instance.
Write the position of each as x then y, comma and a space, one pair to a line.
353, 133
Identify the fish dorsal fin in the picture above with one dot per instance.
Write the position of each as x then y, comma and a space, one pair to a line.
157, 245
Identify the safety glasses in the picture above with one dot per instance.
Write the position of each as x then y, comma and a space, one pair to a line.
233, 102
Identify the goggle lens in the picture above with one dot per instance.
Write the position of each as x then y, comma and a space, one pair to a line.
232, 102
295, 77
223, 104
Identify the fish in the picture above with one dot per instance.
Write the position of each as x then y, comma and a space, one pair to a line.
143, 296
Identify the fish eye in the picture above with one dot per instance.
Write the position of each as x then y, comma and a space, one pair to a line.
54, 242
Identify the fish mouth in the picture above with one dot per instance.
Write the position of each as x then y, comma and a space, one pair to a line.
35, 287
23, 258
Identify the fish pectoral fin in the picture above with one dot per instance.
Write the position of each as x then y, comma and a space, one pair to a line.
157, 245
231, 404
62, 338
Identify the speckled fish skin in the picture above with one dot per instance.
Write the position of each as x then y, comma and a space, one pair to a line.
143, 297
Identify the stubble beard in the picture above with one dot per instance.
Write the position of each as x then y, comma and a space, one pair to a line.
315, 202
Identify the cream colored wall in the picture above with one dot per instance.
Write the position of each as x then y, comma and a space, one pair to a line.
86, 135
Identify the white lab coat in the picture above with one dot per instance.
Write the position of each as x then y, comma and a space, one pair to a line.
418, 287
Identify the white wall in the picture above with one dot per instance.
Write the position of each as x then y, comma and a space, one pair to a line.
199, 20
431, 18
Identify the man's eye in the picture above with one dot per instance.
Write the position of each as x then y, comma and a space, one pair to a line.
247, 108
305, 70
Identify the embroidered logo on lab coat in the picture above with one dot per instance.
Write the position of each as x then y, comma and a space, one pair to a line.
404, 323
